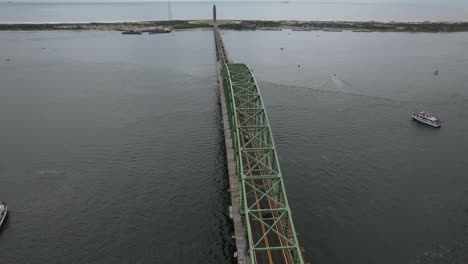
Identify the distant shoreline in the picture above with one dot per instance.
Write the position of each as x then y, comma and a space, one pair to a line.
357, 26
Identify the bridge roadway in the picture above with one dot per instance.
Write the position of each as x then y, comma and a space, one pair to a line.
266, 221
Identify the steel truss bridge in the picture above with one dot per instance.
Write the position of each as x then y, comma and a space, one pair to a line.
265, 212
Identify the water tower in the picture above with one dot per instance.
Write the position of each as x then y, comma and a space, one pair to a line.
214, 13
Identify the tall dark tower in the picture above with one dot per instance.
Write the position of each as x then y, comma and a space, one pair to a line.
214, 13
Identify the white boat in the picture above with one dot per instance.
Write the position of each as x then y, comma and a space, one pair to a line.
425, 118
3, 212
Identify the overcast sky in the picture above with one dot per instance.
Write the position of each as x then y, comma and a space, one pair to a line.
214, 1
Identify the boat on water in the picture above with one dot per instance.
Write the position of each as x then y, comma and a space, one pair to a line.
132, 32
3, 212
425, 118
160, 30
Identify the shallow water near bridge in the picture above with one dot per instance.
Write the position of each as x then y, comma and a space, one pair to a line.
112, 151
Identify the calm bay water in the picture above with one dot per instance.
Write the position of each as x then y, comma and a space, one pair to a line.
112, 152
300, 10
111, 149
368, 185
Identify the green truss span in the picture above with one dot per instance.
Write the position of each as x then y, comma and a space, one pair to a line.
264, 205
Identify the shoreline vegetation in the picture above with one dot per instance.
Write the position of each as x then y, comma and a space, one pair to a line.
247, 25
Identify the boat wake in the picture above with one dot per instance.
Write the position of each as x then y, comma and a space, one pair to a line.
336, 84
443, 255
332, 87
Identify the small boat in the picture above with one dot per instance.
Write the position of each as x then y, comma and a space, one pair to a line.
131, 32
3, 212
436, 72
425, 118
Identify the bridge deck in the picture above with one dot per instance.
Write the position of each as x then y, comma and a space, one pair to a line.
261, 193
270, 229
235, 212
